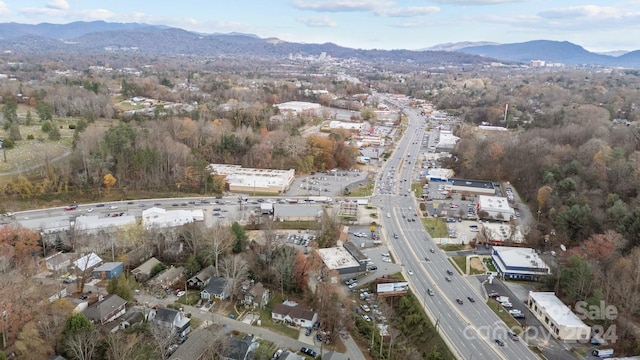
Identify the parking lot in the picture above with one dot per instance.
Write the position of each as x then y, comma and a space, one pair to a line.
325, 184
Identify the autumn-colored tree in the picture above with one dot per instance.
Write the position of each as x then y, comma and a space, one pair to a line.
300, 271
25, 243
544, 194
109, 181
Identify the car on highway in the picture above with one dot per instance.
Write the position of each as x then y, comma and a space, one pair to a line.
432, 250
90, 210
99, 205
430, 292
71, 207
113, 207
499, 342
513, 336
447, 278
388, 215
395, 236
471, 299
410, 272
459, 301
449, 272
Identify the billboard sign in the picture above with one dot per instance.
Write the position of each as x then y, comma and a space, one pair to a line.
394, 288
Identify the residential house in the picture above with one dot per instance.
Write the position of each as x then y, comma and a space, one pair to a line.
201, 279
168, 277
143, 272
294, 315
58, 262
106, 310
255, 295
239, 349
87, 262
216, 288
173, 319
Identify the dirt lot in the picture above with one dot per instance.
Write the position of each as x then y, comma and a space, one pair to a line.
476, 264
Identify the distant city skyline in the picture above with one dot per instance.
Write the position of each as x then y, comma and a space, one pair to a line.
597, 25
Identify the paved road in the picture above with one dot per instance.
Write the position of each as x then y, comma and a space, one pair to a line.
469, 329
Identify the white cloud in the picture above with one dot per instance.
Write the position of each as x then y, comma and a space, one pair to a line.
4, 10
342, 5
58, 5
412, 11
318, 21
587, 11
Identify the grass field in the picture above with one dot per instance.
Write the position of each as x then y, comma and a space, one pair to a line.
436, 227
504, 316
461, 262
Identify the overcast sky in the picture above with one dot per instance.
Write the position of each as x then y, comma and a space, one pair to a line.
597, 25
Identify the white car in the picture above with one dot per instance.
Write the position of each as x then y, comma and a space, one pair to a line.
180, 293
386, 259
365, 307
507, 305
90, 210
388, 215
351, 286
113, 207
366, 317
410, 272
515, 312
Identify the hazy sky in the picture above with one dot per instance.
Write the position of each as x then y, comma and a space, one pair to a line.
597, 25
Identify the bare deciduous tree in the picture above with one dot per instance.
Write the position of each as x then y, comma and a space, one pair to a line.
82, 345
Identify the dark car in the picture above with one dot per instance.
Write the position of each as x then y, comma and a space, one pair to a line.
308, 351
99, 205
447, 278
308, 332
471, 299
494, 295
449, 272
499, 342
459, 301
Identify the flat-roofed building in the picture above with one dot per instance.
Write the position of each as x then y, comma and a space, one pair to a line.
335, 124
251, 181
494, 208
160, 218
470, 187
298, 107
297, 212
93, 224
439, 174
339, 259
518, 263
557, 317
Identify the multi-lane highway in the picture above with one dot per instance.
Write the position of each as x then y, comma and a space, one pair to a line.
470, 328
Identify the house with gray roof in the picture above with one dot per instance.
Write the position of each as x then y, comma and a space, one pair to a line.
106, 310
143, 272
216, 288
294, 315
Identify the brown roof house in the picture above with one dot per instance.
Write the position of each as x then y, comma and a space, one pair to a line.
291, 313
168, 277
107, 309
201, 279
254, 295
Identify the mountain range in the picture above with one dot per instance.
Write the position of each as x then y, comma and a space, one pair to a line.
100, 36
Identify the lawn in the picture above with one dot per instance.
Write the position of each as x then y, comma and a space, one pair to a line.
417, 189
436, 227
461, 262
362, 190
267, 322
489, 264
452, 247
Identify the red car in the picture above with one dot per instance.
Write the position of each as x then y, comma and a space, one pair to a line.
71, 207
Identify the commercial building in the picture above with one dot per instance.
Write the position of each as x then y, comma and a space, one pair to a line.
335, 124
439, 174
254, 181
470, 187
341, 260
494, 208
160, 218
94, 224
108, 270
295, 108
447, 140
518, 263
557, 317
297, 212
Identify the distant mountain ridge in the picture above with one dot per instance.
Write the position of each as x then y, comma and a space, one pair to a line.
101, 36
553, 52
